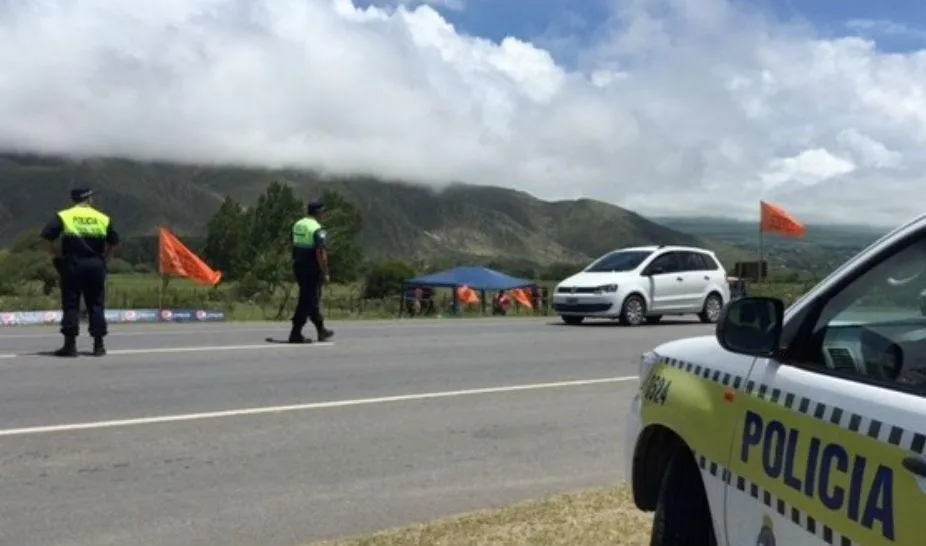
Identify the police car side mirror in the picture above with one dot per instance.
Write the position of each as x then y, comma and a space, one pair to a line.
751, 326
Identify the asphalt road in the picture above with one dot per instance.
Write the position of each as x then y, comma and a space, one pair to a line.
204, 434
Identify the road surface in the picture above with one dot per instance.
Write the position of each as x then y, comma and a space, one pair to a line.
202, 434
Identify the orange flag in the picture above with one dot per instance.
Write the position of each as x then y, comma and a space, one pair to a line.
522, 297
174, 258
467, 295
778, 221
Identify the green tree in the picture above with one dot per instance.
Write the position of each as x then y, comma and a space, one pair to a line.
28, 261
267, 258
385, 279
343, 225
227, 239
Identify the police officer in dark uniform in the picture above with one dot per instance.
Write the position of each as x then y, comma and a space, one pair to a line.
87, 241
310, 267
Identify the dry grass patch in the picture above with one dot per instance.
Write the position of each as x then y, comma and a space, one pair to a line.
588, 518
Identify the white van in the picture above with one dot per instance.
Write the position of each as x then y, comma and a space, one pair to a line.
645, 283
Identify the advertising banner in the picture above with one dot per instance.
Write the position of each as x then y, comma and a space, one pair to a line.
114, 316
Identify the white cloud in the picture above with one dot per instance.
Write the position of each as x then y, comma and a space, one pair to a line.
683, 106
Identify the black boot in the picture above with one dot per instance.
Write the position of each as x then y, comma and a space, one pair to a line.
295, 336
99, 349
324, 334
69, 349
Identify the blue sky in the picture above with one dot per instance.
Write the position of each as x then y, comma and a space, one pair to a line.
896, 25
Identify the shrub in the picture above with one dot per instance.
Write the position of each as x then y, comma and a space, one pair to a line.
385, 279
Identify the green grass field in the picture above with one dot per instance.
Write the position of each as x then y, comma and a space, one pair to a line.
142, 291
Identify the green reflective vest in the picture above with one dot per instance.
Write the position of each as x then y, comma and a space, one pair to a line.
85, 222
304, 232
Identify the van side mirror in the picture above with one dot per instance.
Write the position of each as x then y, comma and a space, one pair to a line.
751, 326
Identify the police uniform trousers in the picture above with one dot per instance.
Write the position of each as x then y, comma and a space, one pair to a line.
310, 294
83, 276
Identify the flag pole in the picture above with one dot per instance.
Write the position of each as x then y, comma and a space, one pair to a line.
761, 250
160, 273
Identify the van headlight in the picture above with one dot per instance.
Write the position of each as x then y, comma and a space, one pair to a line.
606, 289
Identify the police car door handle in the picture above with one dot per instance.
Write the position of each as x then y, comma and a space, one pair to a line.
916, 465
679, 279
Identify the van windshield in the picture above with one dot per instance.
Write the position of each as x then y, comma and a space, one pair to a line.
619, 260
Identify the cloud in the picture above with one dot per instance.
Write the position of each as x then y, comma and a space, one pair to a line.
678, 106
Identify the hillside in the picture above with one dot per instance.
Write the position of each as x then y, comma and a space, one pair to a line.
400, 220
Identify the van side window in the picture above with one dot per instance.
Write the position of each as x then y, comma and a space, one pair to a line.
668, 262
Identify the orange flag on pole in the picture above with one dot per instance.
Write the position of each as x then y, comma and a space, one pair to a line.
778, 221
174, 258
467, 295
520, 295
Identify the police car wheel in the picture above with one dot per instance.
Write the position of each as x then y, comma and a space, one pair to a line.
633, 312
683, 516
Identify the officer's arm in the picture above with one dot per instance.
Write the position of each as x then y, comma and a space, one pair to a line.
50, 234
321, 251
112, 240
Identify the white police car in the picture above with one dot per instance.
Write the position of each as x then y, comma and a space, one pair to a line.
645, 283
798, 427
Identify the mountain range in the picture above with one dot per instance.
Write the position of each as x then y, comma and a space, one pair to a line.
461, 222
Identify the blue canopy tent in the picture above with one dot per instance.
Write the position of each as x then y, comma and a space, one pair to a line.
478, 278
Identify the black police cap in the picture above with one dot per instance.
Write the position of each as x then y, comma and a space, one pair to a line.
315, 206
80, 194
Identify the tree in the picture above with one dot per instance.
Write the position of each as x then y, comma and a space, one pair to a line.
27, 261
269, 237
343, 226
226, 239
385, 279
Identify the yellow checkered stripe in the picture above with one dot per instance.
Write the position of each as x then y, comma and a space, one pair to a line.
832, 415
797, 516
873, 428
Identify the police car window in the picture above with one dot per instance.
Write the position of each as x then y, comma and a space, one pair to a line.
875, 327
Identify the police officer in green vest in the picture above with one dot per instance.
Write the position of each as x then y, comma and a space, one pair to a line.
87, 241
310, 267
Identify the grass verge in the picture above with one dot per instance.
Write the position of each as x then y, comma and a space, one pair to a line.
588, 518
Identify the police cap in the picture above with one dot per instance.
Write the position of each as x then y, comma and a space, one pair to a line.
81, 194
315, 207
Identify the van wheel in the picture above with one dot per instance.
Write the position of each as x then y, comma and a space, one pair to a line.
683, 516
633, 312
572, 320
713, 307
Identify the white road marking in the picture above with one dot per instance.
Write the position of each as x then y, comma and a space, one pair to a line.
304, 407
190, 349
153, 329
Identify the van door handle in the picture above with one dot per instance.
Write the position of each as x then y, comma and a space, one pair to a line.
915, 465
707, 278
679, 279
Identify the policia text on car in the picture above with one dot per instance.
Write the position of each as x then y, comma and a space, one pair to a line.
826, 472
87, 240
310, 267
